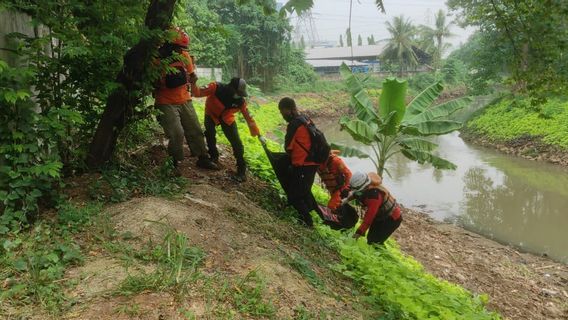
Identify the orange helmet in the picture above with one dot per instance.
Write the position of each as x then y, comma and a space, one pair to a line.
182, 39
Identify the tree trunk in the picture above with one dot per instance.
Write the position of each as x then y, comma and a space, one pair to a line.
121, 101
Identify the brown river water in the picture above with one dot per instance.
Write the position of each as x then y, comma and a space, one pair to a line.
511, 200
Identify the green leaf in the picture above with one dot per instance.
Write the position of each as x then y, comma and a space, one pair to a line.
392, 99
423, 100
298, 6
363, 106
349, 151
439, 111
20, 265
433, 127
360, 131
418, 144
354, 85
380, 5
53, 257
426, 157
3, 65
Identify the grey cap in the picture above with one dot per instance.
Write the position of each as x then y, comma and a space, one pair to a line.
242, 88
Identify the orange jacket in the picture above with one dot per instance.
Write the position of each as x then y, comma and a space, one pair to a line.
218, 112
179, 95
299, 145
373, 197
336, 176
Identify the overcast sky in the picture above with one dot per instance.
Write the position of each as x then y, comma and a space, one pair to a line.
331, 18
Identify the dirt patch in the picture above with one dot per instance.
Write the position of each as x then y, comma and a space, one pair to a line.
237, 237
148, 305
528, 147
520, 285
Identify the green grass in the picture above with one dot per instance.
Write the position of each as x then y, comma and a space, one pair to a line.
318, 86
510, 119
34, 261
176, 265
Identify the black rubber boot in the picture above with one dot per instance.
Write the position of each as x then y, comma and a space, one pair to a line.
241, 175
177, 170
206, 163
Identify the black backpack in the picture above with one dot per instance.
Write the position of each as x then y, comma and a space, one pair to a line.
176, 79
320, 149
179, 77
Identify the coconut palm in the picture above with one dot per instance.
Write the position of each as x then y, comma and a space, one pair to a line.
438, 34
399, 45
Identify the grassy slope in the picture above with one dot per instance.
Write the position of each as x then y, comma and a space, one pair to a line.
35, 264
395, 280
510, 119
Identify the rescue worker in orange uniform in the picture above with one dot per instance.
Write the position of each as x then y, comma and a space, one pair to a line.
303, 170
222, 103
335, 175
178, 117
383, 214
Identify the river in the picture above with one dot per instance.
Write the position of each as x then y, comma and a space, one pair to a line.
508, 199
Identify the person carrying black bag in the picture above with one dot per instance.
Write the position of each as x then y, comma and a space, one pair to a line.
307, 149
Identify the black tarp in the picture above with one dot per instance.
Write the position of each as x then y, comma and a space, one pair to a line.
344, 218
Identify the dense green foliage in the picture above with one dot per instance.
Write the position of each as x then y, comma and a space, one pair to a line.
549, 122
30, 165
508, 42
72, 62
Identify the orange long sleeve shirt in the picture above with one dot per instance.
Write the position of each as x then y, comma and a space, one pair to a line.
299, 147
218, 112
336, 176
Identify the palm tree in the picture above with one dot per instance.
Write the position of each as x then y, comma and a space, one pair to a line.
438, 34
399, 45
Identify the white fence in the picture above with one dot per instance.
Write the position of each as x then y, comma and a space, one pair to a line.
210, 73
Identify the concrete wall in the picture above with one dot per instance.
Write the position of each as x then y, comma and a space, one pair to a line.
11, 21
17, 22
210, 73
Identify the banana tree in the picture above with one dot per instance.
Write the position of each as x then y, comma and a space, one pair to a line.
394, 127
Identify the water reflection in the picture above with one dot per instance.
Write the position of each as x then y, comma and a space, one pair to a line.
509, 199
515, 212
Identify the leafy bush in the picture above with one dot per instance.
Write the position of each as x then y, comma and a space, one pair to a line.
421, 81
30, 165
296, 72
454, 71
513, 118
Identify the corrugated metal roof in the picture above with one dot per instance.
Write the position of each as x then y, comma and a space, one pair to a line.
333, 63
344, 52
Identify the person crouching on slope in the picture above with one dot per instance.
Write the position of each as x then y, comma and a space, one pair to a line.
335, 175
223, 101
383, 214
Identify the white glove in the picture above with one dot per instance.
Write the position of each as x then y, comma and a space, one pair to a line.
262, 139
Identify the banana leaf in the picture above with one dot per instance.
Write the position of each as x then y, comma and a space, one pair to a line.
423, 100
349, 151
423, 157
392, 99
440, 111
